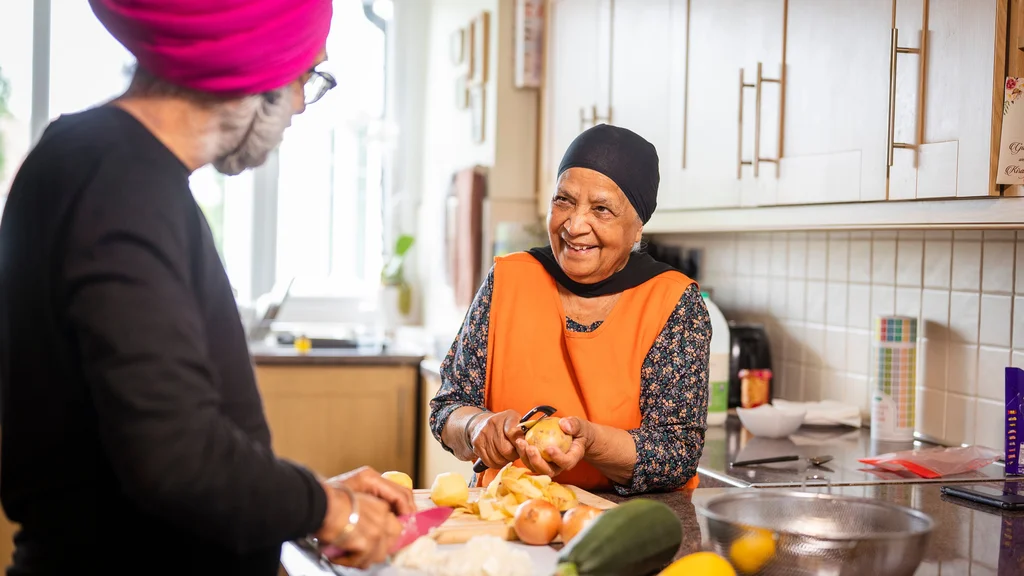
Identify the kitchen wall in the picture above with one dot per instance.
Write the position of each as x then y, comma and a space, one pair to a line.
818, 292
440, 139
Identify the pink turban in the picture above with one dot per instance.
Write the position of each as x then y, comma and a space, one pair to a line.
226, 47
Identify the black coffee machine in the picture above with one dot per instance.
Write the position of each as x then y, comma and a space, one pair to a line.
748, 349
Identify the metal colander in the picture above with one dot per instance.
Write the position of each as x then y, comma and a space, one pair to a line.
821, 535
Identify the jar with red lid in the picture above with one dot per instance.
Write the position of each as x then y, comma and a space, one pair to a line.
755, 386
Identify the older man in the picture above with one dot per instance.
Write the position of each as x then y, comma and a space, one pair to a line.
133, 433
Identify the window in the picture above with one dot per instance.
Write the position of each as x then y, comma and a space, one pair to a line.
320, 196
15, 89
329, 224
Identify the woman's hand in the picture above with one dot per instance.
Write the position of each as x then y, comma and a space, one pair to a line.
581, 432
493, 438
364, 543
366, 480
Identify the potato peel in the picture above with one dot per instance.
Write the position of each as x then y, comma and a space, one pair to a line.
511, 487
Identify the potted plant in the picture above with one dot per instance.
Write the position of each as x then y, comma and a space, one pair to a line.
396, 296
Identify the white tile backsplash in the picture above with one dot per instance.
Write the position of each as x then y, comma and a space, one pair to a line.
963, 316
935, 314
818, 294
838, 257
938, 261
883, 260
960, 419
997, 267
909, 261
962, 369
996, 319
991, 425
835, 299
797, 255
860, 260
966, 265
815, 301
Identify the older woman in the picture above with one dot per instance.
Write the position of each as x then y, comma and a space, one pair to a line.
617, 342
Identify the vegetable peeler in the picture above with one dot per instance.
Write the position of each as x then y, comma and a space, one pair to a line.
525, 423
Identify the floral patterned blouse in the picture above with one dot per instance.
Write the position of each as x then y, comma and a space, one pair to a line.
673, 396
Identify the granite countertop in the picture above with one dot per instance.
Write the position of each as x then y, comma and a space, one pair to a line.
267, 355
730, 443
968, 538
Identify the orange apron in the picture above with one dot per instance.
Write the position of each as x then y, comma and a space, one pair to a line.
532, 359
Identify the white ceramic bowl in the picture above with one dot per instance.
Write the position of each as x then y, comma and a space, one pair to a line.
768, 421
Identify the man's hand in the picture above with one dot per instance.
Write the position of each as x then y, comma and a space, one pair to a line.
365, 543
366, 480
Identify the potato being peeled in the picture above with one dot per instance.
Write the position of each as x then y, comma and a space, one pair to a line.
546, 433
449, 489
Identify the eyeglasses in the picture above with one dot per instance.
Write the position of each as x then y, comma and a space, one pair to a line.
319, 84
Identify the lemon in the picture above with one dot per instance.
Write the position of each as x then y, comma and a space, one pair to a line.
400, 478
750, 552
449, 489
702, 563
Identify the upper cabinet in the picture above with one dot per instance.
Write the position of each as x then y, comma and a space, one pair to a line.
577, 80
785, 102
955, 118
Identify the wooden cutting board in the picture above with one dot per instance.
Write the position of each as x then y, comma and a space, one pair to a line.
459, 529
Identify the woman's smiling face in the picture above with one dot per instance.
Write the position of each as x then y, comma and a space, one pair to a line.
592, 227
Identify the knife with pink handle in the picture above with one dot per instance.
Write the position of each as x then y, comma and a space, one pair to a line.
413, 526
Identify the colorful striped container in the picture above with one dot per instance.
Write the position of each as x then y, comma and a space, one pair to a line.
894, 376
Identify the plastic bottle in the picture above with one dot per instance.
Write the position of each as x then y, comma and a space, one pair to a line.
718, 364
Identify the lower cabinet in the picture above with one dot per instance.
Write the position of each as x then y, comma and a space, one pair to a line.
333, 419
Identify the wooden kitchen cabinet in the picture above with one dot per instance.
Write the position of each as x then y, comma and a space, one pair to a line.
717, 122
577, 81
836, 109
434, 459
333, 419
960, 115
703, 151
641, 57
824, 114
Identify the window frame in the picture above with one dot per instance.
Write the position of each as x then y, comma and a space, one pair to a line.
264, 224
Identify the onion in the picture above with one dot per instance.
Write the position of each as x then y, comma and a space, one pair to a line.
537, 522
576, 519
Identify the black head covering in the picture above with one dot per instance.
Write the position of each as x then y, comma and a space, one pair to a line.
622, 155
632, 163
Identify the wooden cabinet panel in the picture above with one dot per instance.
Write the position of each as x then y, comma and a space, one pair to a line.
640, 72
704, 144
962, 93
763, 25
577, 76
433, 458
333, 419
836, 109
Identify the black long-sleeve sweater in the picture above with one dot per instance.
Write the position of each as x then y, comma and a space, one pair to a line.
133, 435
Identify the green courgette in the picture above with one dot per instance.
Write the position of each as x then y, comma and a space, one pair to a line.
637, 538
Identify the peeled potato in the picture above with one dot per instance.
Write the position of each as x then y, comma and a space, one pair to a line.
449, 489
400, 478
547, 433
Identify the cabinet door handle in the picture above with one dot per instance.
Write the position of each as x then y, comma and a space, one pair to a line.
586, 122
757, 121
894, 50
740, 162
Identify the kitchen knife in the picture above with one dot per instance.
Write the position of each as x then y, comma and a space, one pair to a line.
413, 526
792, 458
